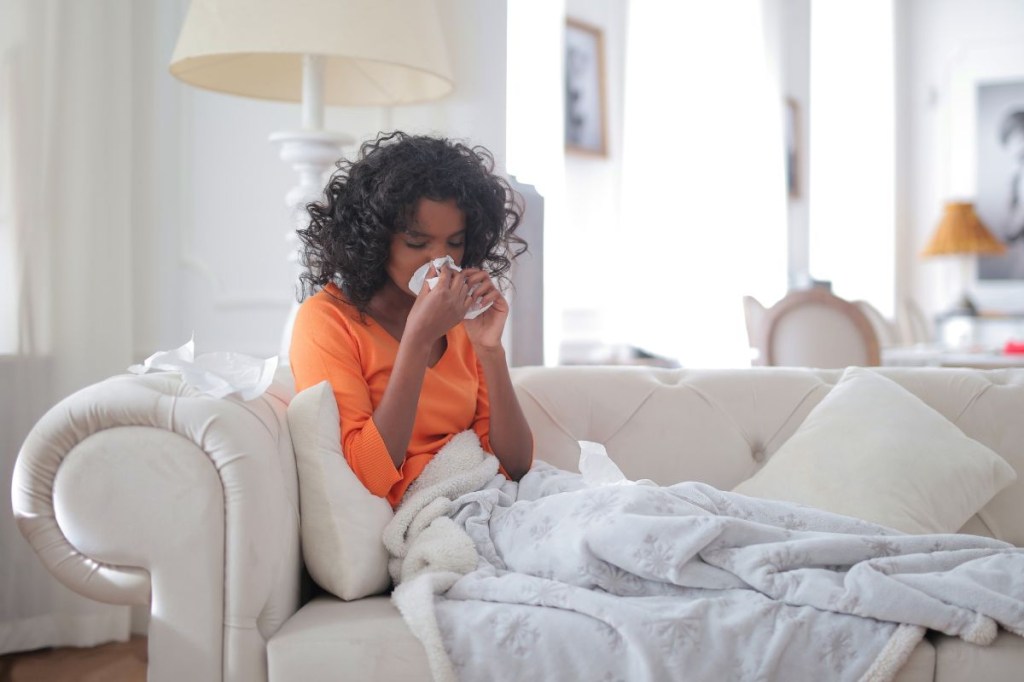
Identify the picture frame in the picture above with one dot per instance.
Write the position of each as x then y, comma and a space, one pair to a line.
585, 109
974, 68
999, 188
791, 124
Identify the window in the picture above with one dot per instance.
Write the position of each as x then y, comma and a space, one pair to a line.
852, 147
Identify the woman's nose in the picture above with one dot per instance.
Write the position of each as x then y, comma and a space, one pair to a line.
437, 252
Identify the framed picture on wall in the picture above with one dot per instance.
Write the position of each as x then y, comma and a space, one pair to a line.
585, 116
985, 87
1000, 175
792, 135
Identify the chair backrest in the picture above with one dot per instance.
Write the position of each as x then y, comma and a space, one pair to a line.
914, 324
753, 314
815, 328
885, 329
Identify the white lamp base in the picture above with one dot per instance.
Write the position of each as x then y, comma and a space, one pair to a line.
312, 153
964, 305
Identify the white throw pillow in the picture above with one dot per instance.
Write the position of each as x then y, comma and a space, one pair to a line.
341, 520
873, 450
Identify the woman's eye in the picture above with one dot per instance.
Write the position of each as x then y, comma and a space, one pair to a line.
416, 246
456, 245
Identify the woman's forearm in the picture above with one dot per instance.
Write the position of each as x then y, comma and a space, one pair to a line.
396, 413
510, 435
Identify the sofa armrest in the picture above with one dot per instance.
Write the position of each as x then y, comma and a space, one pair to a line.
139, 489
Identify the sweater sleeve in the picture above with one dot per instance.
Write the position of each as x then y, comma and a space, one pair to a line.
323, 347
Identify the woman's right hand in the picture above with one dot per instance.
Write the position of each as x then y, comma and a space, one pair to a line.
439, 309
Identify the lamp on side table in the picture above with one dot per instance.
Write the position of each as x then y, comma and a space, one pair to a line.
962, 234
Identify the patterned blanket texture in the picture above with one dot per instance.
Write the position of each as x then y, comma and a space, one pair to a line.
552, 577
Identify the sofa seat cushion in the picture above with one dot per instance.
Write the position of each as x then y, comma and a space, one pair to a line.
367, 639
1001, 661
920, 667
330, 639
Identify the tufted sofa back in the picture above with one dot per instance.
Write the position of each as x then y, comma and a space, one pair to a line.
721, 426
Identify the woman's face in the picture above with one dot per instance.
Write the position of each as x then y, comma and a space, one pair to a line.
438, 229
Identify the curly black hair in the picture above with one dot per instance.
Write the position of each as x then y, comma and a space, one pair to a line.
374, 197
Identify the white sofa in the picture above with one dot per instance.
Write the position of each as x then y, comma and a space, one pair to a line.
138, 490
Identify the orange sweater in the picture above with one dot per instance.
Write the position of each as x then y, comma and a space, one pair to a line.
330, 342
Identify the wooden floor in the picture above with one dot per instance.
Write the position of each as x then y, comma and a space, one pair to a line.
115, 662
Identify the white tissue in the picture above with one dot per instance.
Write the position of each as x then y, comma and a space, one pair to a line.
597, 467
418, 277
215, 374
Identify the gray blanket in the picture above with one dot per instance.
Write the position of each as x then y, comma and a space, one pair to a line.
636, 582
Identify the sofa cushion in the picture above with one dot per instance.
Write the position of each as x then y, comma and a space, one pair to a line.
367, 639
920, 667
341, 520
328, 639
1001, 661
873, 450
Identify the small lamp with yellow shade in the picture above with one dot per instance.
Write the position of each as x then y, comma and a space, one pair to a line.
962, 234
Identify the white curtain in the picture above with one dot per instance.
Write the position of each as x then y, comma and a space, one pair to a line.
65, 301
704, 197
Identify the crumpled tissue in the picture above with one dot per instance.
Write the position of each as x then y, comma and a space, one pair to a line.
216, 374
598, 469
418, 277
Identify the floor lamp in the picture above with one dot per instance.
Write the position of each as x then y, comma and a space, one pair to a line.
319, 53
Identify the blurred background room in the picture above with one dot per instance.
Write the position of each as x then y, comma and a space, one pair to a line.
680, 158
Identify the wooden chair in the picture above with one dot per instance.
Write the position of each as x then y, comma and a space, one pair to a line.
753, 314
885, 329
815, 328
914, 324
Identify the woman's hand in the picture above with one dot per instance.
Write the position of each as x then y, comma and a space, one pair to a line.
439, 309
485, 330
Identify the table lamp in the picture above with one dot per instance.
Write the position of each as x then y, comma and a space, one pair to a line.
317, 52
962, 234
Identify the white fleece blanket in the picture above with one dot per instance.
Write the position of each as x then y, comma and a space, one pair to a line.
506, 581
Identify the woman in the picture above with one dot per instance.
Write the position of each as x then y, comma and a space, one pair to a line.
407, 370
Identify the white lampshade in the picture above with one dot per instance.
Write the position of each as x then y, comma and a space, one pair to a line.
376, 52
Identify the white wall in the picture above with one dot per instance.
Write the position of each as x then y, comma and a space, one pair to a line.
594, 219
210, 219
476, 36
788, 41
936, 39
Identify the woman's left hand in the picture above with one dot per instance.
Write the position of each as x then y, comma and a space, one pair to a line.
485, 330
